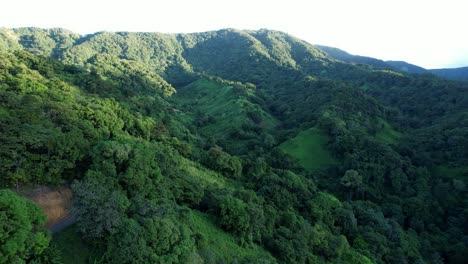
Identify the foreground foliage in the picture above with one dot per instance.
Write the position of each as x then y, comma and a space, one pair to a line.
22, 237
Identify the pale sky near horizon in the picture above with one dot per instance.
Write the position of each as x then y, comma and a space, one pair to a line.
430, 33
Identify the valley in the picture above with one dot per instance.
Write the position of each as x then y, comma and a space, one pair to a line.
228, 146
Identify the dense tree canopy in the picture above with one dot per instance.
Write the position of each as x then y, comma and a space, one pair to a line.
195, 148
22, 237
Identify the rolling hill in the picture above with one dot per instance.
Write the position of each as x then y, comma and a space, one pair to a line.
401, 66
228, 146
452, 73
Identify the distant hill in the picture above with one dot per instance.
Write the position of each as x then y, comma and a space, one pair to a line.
401, 66
406, 67
344, 56
349, 58
453, 73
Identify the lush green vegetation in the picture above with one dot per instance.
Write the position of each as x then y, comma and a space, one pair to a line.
71, 247
386, 133
227, 147
22, 237
310, 149
217, 245
223, 111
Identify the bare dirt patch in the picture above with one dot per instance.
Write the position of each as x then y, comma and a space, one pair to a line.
54, 201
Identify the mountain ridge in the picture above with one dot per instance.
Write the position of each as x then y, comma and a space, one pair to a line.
459, 73
234, 146
71, 38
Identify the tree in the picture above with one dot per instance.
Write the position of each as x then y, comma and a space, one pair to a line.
235, 216
352, 181
170, 241
221, 161
21, 223
99, 205
128, 244
323, 207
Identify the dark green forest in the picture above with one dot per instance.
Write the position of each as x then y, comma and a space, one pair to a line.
227, 147
456, 74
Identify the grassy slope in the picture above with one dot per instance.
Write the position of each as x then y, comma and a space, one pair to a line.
71, 246
221, 244
387, 134
206, 176
309, 148
210, 98
228, 110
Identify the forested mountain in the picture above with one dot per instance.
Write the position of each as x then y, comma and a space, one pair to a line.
355, 59
401, 66
228, 146
455, 73
406, 67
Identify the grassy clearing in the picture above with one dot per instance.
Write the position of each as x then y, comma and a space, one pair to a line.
219, 110
386, 133
205, 97
222, 245
206, 176
309, 148
71, 246
460, 173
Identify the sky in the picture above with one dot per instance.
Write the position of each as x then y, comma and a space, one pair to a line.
430, 33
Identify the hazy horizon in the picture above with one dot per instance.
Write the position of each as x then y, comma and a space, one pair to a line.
425, 33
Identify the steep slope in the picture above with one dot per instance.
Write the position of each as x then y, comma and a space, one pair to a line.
62, 124
400, 66
406, 67
224, 111
166, 136
48, 42
355, 59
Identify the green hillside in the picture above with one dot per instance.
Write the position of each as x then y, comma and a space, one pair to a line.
71, 247
223, 110
218, 245
310, 149
228, 146
386, 133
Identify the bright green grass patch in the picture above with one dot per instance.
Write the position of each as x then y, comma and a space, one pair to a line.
221, 245
221, 102
386, 133
460, 173
390, 72
223, 110
209, 98
309, 148
71, 246
206, 176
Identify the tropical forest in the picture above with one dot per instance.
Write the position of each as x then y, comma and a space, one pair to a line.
227, 146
